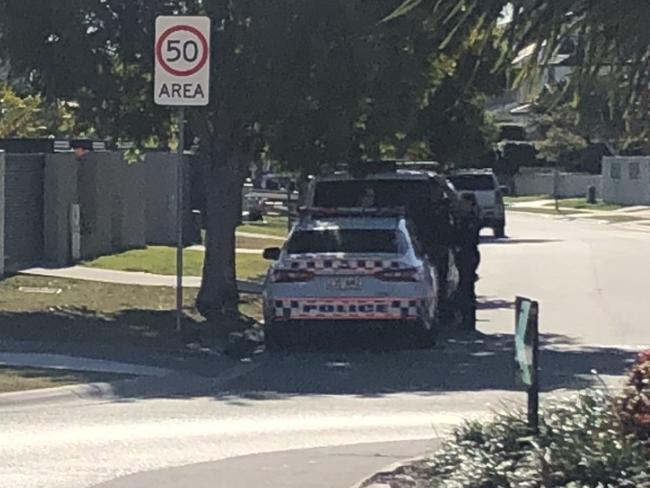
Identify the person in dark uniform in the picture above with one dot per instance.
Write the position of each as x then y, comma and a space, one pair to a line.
431, 216
468, 258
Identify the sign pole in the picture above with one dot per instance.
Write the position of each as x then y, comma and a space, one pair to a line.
181, 79
533, 391
527, 356
180, 175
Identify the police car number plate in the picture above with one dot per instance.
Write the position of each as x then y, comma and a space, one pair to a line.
348, 283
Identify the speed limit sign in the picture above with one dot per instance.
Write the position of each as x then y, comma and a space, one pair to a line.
182, 52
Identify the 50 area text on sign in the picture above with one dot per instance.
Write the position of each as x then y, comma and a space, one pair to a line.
182, 60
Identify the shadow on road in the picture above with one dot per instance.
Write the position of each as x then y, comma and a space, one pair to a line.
486, 303
485, 240
472, 363
336, 362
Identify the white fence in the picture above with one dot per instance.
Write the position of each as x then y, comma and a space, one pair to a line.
568, 185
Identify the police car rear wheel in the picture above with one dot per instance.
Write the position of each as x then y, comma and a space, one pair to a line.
424, 335
276, 338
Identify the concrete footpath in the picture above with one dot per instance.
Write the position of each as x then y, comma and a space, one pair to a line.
129, 277
642, 212
77, 363
326, 467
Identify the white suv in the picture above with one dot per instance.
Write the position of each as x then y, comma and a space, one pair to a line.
483, 184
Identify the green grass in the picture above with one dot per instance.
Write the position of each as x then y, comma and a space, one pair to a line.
256, 243
100, 313
545, 210
162, 260
581, 204
274, 226
526, 198
153, 259
21, 379
617, 219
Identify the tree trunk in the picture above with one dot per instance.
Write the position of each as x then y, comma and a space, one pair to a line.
223, 193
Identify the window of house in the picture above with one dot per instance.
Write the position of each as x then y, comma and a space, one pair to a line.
635, 171
615, 171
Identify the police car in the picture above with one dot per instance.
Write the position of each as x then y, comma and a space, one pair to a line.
350, 265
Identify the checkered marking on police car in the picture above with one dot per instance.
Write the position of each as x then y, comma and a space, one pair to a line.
368, 265
357, 308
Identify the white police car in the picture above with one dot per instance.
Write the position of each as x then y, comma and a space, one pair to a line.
350, 265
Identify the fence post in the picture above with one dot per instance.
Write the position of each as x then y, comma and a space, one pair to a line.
556, 184
75, 232
2, 213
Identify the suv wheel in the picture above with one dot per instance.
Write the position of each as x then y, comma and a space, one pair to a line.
500, 230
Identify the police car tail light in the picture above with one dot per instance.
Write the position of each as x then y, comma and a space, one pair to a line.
291, 276
408, 274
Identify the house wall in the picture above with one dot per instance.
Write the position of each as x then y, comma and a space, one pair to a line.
626, 180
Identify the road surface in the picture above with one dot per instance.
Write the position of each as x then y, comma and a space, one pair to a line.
590, 280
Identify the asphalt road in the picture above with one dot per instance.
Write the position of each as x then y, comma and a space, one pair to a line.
589, 279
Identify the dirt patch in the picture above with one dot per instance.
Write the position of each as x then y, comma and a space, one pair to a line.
410, 475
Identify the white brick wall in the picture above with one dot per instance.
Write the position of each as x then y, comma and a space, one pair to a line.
626, 180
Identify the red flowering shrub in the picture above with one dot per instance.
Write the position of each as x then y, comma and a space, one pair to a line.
634, 404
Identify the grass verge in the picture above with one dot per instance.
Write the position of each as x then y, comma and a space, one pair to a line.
274, 226
546, 210
256, 243
162, 260
617, 219
581, 204
21, 379
526, 198
99, 313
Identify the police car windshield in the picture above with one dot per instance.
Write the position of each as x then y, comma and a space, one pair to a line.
370, 193
473, 182
365, 241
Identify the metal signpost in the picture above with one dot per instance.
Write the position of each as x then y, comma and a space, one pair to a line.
527, 356
182, 79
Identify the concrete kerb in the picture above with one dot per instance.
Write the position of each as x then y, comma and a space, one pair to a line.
108, 391
57, 362
94, 391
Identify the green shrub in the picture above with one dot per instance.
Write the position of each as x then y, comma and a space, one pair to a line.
634, 403
583, 442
